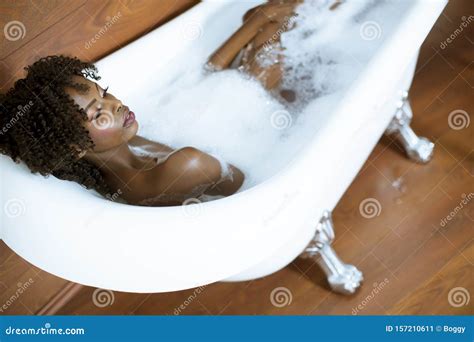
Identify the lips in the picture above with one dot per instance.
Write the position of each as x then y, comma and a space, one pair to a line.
129, 119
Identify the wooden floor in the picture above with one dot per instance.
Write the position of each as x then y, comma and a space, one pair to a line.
412, 263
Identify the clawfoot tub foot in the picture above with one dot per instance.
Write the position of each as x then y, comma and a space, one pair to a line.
417, 148
342, 278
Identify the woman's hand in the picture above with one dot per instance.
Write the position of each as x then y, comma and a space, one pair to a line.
258, 41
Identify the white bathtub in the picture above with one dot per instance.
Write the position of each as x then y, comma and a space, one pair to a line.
74, 234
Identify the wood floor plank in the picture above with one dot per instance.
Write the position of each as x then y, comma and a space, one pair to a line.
92, 301
456, 277
23, 287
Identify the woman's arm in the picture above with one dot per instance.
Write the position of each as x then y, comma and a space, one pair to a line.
259, 36
255, 20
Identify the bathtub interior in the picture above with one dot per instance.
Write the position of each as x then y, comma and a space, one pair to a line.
226, 113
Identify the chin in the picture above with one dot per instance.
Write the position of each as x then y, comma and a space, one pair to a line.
131, 131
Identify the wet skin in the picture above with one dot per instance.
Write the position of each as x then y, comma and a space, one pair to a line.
262, 28
166, 177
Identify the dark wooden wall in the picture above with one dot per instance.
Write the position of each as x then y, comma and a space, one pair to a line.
36, 28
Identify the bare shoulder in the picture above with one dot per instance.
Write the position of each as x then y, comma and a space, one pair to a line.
191, 158
186, 172
191, 170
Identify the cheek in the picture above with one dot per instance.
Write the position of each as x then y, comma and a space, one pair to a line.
105, 138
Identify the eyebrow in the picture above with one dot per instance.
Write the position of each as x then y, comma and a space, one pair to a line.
93, 100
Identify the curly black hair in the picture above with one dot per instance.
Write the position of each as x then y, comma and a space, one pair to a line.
41, 125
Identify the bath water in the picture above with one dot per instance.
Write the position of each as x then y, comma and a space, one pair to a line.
229, 114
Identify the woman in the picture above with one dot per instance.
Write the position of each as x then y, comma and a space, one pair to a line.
78, 131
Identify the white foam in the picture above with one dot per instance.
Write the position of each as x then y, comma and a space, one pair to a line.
230, 115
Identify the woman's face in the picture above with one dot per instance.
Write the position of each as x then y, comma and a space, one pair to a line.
110, 123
